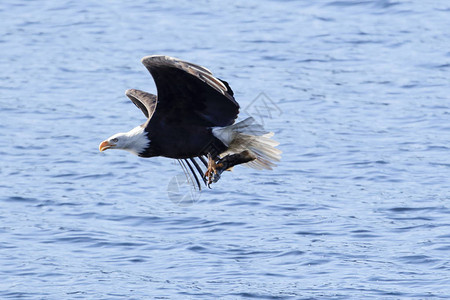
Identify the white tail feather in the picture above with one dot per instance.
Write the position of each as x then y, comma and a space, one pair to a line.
248, 135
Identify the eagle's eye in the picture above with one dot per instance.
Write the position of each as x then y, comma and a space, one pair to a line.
115, 140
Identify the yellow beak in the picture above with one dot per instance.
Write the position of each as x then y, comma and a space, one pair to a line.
104, 145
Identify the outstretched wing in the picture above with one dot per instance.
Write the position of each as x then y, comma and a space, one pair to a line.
190, 94
143, 100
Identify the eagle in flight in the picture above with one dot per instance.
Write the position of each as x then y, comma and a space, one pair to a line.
193, 120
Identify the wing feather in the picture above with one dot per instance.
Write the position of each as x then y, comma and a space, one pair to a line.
143, 100
190, 94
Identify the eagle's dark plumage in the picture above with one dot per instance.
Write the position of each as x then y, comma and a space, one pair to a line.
192, 120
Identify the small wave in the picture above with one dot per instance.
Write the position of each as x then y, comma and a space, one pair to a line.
21, 199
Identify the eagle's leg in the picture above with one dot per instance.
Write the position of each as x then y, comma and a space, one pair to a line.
211, 173
215, 169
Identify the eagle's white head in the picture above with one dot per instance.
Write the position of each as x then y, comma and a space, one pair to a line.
134, 141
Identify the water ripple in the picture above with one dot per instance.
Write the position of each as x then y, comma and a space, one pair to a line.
356, 209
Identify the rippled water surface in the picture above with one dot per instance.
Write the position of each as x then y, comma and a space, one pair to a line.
357, 92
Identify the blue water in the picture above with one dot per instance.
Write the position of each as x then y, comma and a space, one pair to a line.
357, 92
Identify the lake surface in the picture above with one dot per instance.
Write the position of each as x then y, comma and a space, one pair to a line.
357, 93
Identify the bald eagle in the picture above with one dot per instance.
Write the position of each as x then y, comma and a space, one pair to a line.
193, 120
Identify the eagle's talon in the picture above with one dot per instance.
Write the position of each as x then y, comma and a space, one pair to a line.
214, 171
209, 174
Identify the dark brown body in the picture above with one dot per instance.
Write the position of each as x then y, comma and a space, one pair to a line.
182, 141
